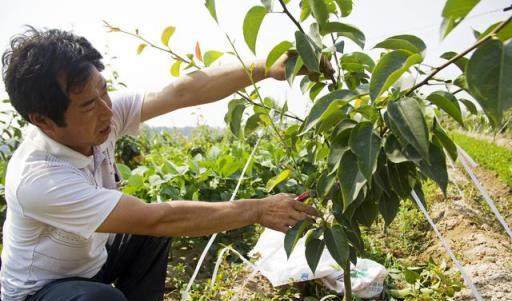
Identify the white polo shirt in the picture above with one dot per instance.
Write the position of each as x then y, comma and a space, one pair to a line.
56, 199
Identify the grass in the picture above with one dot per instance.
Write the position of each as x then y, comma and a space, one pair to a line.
489, 155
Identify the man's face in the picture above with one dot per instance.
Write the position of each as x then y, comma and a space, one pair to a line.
88, 117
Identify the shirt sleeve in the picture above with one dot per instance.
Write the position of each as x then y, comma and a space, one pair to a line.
65, 200
126, 109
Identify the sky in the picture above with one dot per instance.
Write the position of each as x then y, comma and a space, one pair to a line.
378, 19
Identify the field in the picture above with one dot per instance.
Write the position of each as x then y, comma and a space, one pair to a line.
202, 168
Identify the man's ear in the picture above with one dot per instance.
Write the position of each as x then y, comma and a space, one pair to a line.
43, 122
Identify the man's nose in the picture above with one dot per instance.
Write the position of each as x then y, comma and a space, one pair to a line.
106, 107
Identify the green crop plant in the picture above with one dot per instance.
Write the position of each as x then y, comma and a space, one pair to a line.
366, 143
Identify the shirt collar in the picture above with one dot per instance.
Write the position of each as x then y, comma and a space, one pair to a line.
39, 139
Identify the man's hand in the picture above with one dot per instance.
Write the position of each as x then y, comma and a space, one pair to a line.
278, 68
282, 211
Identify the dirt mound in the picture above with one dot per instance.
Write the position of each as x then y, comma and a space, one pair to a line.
475, 236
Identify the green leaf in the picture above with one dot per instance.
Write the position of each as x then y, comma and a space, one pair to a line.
252, 124
325, 183
276, 53
345, 7
345, 30
367, 212
411, 276
252, 23
339, 145
293, 235
124, 170
319, 10
359, 58
292, 67
322, 104
351, 179
274, 181
448, 103
267, 4
210, 5
408, 120
366, 145
388, 207
470, 106
436, 169
460, 62
398, 175
211, 56
234, 115
166, 34
488, 75
141, 47
408, 43
305, 11
175, 68
389, 69
504, 34
447, 143
306, 52
136, 181
314, 35
336, 112
315, 90
337, 243
454, 12
314, 250
393, 150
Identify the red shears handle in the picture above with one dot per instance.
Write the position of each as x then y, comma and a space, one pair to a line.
302, 197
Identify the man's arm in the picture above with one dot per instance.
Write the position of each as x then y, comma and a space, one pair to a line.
206, 85
195, 218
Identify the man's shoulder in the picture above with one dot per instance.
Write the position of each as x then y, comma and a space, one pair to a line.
28, 161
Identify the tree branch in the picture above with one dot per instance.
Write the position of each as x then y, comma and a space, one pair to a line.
458, 56
136, 35
287, 12
268, 108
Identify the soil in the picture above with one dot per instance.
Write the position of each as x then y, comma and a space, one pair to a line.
475, 235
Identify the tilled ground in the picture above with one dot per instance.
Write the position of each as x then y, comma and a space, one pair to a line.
475, 235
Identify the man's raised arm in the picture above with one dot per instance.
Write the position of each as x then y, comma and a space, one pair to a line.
205, 86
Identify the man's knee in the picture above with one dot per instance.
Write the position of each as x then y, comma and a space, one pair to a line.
104, 292
78, 290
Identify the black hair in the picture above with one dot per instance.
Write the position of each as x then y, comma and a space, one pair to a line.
35, 61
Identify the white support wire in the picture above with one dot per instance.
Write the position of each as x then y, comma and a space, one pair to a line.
467, 279
219, 261
185, 294
466, 161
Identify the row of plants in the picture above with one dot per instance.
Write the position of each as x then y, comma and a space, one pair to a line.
488, 154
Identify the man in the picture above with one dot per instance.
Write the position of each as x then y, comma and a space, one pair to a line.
63, 209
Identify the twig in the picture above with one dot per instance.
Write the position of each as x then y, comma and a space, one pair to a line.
336, 58
457, 91
458, 56
268, 108
136, 35
287, 12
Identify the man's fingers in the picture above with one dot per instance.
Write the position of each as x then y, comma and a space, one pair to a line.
298, 216
299, 206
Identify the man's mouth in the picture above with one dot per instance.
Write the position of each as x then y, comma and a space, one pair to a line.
106, 130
